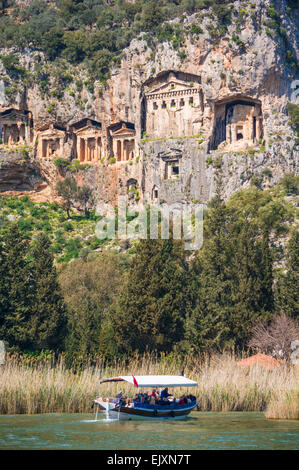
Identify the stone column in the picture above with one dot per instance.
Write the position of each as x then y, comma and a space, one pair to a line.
19, 125
119, 150
85, 149
233, 133
44, 150
78, 141
122, 143
9, 140
228, 134
258, 128
61, 146
125, 150
47, 145
250, 128
27, 133
81, 149
99, 148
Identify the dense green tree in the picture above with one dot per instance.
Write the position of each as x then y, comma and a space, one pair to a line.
75, 46
31, 306
53, 42
233, 280
99, 64
99, 40
152, 15
151, 309
252, 281
47, 320
291, 184
17, 288
287, 297
89, 289
208, 325
3, 289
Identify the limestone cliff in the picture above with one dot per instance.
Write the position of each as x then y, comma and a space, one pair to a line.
169, 118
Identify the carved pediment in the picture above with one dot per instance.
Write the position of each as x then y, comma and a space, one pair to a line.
170, 155
123, 132
88, 130
14, 114
51, 131
172, 85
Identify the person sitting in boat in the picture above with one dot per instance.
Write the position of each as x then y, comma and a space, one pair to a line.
137, 399
146, 398
192, 397
123, 401
155, 395
118, 397
165, 394
182, 400
164, 397
153, 400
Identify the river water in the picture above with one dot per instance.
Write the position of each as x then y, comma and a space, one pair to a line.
213, 431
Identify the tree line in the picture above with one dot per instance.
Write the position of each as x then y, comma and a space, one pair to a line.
159, 299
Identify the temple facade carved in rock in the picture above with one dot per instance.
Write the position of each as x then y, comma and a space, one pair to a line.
173, 105
16, 127
50, 141
122, 135
88, 141
238, 123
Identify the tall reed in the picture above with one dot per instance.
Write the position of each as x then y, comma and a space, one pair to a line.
31, 386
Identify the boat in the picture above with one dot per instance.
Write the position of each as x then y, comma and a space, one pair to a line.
117, 408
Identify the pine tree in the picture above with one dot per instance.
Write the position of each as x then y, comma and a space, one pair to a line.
207, 327
152, 306
16, 286
47, 321
287, 297
233, 280
3, 293
252, 294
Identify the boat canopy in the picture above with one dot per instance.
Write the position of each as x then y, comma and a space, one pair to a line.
153, 380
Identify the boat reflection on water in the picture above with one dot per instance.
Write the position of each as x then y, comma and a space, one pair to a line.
163, 407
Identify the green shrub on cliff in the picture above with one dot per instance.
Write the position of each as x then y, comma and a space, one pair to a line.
94, 33
61, 163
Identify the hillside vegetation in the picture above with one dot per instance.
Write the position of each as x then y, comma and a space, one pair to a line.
92, 34
58, 291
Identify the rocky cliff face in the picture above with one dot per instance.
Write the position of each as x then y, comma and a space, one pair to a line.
17, 173
215, 104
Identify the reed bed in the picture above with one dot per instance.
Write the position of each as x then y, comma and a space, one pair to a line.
285, 406
30, 387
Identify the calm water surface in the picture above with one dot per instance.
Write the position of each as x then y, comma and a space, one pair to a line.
200, 431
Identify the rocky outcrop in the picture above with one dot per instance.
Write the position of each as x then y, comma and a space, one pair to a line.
237, 122
18, 173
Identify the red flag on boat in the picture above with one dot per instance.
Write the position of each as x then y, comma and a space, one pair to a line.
135, 381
